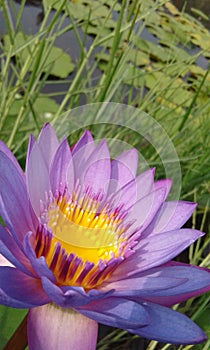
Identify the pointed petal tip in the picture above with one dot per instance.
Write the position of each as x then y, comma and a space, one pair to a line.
86, 137
47, 134
194, 233
170, 326
153, 170
192, 204
164, 183
149, 172
102, 143
88, 134
31, 139
46, 125
44, 130
131, 152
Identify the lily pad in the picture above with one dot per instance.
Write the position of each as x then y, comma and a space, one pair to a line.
201, 40
137, 58
171, 8
43, 106
59, 62
134, 77
54, 61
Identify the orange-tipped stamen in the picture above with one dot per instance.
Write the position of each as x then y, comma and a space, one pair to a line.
81, 242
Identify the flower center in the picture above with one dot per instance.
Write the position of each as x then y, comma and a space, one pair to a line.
82, 231
82, 240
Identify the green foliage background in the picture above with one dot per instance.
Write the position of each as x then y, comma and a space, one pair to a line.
118, 63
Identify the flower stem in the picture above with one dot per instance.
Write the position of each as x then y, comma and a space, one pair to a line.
19, 339
50, 327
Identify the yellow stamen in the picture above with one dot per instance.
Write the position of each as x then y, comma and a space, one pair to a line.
83, 232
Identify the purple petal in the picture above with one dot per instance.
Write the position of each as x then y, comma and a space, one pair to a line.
166, 183
48, 143
129, 159
31, 144
4, 149
21, 287
117, 312
96, 172
54, 292
11, 251
11, 302
39, 264
62, 170
14, 203
135, 190
123, 169
197, 281
81, 152
97, 176
53, 328
156, 250
169, 326
83, 141
37, 178
145, 209
171, 216
163, 284
68, 296
143, 286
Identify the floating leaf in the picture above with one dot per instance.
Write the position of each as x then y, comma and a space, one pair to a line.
94, 30
43, 105
137, 57
54, 61
134, 76
201, 40
171, 8
196, 70
178, 30
59, 63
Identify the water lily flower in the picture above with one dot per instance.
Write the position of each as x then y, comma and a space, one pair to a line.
86, 241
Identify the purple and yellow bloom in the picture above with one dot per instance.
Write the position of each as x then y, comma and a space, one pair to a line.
87, 241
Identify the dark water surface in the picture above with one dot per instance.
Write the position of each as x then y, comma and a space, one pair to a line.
189, 5
33, 12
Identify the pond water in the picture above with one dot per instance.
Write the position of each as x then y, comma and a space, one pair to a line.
190, 5
186, 5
